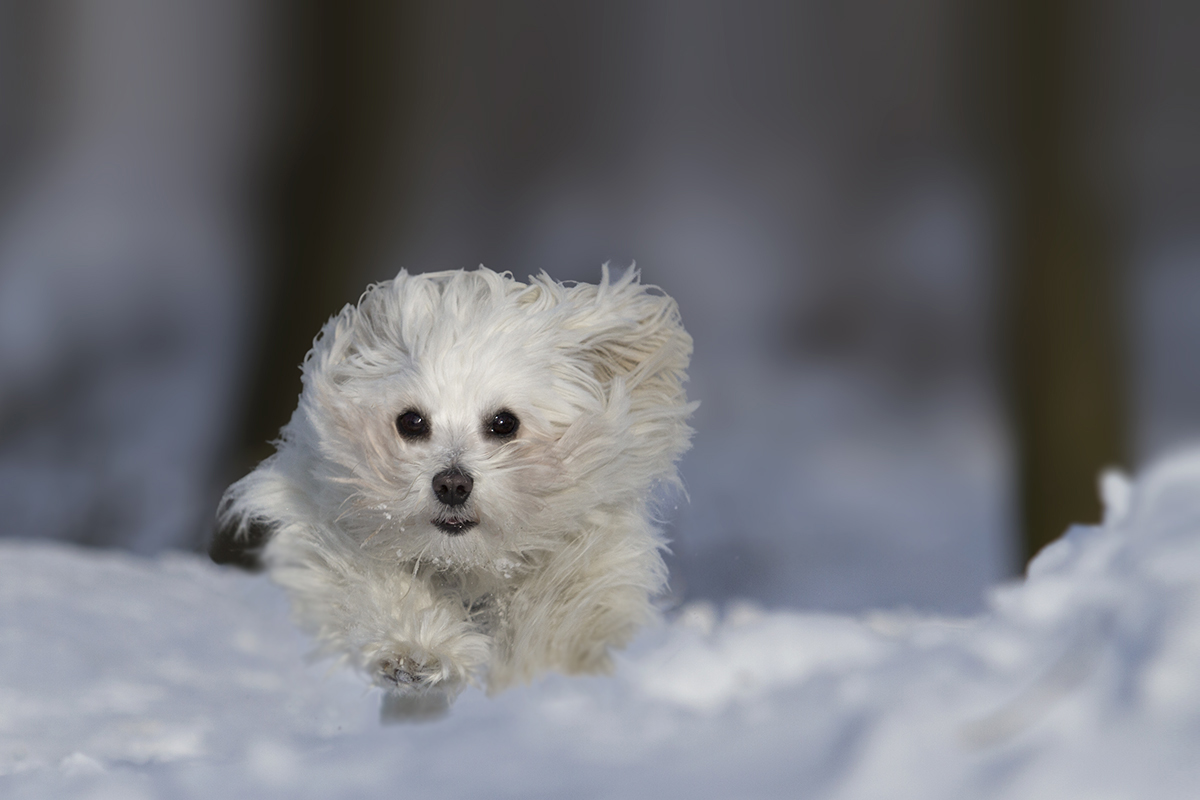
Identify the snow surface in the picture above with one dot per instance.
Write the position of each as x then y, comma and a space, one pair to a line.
122, 676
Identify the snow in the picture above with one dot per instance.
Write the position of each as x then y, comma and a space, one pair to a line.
125, 676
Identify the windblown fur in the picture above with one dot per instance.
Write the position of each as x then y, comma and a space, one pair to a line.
553, 558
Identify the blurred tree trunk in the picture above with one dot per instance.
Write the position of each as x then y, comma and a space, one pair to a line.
349, 86
1063, 332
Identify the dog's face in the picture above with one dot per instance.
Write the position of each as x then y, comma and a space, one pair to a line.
468, 420
452, 457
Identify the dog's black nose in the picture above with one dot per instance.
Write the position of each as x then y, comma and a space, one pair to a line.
453, 486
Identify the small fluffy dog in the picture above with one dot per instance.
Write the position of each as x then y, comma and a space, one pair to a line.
464, 492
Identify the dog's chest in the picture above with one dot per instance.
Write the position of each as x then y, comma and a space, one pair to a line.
485, 597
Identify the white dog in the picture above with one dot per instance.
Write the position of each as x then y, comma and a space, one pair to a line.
464, 492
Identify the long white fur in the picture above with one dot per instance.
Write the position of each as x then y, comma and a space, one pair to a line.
565, 560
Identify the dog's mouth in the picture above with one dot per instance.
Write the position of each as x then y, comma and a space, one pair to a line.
454, 526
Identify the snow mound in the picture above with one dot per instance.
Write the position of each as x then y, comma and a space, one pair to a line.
139, 678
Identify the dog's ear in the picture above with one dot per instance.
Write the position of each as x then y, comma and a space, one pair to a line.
628, 354
633, 336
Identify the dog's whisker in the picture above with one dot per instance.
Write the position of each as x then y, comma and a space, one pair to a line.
345, 511
372, 536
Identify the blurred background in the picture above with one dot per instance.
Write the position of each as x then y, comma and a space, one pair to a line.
939, 259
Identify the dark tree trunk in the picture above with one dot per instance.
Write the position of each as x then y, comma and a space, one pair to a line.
347, 105
1063, 336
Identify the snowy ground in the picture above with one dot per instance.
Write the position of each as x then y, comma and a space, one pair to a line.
127, 677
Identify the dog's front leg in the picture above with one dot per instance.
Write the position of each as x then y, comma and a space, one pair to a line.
389, 620
412, 637
419, 639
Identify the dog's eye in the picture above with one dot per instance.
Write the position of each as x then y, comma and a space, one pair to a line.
504, 424
412, 425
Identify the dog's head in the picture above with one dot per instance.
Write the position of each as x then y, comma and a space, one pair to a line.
466, 418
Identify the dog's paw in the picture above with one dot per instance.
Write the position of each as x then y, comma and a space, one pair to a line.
405, 674
448, 664
401, 672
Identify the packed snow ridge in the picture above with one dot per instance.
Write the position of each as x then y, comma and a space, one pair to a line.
122, 676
